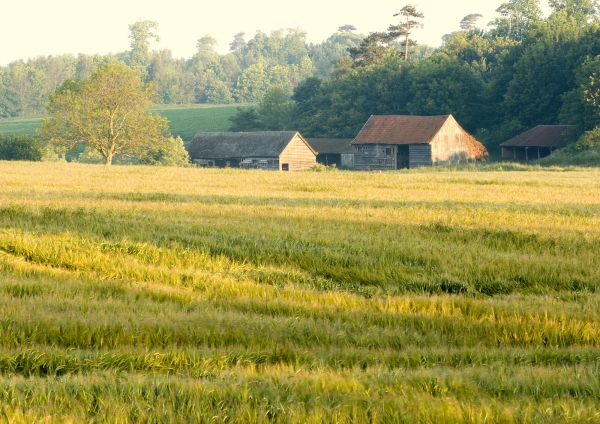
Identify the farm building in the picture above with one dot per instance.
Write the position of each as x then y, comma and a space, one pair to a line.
535, 143
272, 150
398, 141
334, 151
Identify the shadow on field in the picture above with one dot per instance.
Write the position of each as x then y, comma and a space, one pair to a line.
576, 210
390, 257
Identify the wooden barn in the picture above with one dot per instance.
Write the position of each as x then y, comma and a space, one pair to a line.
334, 151
535, 143
271, 150
399, 141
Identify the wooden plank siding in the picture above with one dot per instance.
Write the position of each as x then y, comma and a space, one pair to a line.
419, 155
297, 155
368, 157
449, 146
347, 161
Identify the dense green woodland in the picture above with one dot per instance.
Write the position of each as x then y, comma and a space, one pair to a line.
522, 70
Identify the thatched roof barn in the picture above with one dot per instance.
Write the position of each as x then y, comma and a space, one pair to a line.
399, 141
535, 143
273, 150
334, 151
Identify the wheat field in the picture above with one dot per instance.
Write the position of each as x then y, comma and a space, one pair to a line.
146, 294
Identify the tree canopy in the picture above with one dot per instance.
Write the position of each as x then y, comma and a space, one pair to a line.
107, 112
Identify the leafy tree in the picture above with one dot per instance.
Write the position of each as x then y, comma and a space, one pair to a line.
231, 69
372, 50
447, 87
274, 109
206, 57
173, 82
581, 106
140, 56
546, 69
246, 119
516, 16
345, 29
238, 42
108, 112
215, 90
325, 55
409, 14
580, 9
171, 153
339, 108
253, 83
19, 147
589, 140
24, 92
469, 22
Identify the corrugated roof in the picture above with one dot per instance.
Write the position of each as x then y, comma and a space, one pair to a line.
400, 129
540, 136
224, 145
331, 145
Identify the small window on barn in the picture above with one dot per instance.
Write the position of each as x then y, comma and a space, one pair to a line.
285, 166
389, 151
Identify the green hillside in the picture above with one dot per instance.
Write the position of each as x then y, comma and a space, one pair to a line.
184, 121
16, 126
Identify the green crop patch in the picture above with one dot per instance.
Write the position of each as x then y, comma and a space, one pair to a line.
185, 122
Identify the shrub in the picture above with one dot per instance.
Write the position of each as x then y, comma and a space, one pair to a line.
19, 147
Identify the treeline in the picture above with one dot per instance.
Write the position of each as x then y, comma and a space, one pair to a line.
522, 70
525, 71
282, 58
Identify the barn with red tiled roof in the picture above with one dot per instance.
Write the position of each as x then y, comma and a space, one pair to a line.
535, 143
399, 141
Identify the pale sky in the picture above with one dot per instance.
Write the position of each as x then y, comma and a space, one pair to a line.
31, 28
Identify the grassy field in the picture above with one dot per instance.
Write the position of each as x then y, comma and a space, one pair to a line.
185, 121
136, 294
16, 126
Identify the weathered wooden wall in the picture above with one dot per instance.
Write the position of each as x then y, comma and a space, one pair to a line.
297, 155
269, 164
419, 155
347, 160
450, 145
369, 157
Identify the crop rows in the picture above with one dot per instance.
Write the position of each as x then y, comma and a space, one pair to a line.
146, 294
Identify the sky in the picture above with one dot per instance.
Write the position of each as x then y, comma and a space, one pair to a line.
54, 27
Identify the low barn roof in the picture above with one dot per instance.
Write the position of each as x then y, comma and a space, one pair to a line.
224, 145
331, 145
400, 129
540, 136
